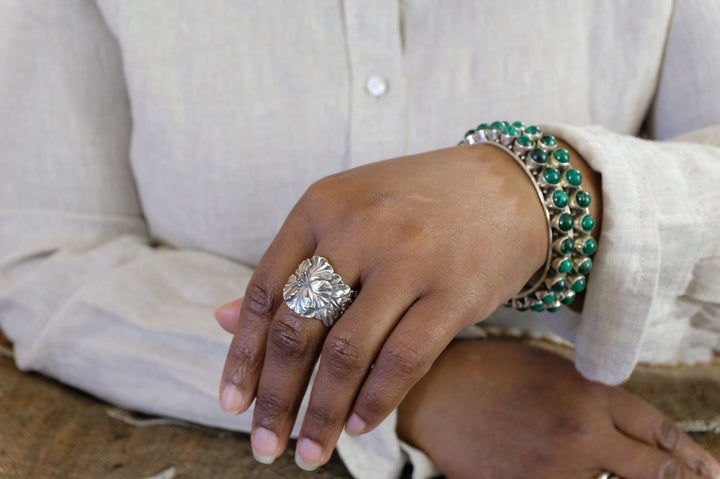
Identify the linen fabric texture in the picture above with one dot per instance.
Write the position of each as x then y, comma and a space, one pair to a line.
150, 150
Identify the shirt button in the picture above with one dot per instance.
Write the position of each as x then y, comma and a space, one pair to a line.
376, 85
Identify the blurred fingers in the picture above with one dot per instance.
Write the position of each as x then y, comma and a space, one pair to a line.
642, 421
632, 459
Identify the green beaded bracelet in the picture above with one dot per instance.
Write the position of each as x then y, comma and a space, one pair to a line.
566, 209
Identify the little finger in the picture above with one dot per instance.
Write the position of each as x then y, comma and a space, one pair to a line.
407, 355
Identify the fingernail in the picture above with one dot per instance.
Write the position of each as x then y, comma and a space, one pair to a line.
264, 445
308, 454
355, 426
231, 400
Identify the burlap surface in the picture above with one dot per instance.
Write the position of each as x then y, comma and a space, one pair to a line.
48, 430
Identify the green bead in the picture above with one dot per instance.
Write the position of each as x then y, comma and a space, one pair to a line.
483, 126
533, 130
574, 177
505, 124
518, 124
497, 125
566, 222
589, 246
578, 285
549, 140
588, 223
565, 266
539, 156
585, 267
560, 199
549, 299
525, 141
582, 198
567, 246
569, 299
511, 130
554, 309
561, 155
559, 285
537, 307
551, 175
469, 133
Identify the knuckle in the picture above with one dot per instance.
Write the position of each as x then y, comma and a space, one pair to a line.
259, 301
395, 373
374, 403
270, 407
342, 356
288, 340
404, 361
318, 419
241, 360
672, 469
702, 467
667, 434
322, 190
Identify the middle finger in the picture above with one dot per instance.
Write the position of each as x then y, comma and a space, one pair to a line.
292, 347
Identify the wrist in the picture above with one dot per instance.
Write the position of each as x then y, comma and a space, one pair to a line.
565, 200
524, 206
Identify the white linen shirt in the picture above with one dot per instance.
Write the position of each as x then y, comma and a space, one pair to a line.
150, 150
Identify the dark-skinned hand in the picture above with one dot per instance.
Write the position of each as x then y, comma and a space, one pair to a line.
433, 242
492, 409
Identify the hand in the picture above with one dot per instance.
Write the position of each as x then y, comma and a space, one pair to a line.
434, 243
537, 417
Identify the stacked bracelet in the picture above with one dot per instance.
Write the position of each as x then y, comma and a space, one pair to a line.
566, 209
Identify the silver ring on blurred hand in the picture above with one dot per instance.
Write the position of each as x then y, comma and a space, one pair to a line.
315, 290
607, 475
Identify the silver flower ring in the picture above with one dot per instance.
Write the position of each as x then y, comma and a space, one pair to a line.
316, 291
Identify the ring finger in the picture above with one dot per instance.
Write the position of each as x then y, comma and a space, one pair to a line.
347, 355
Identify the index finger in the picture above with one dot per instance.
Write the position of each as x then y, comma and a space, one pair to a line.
262, 298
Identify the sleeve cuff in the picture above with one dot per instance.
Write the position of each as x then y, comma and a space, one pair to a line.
624, 280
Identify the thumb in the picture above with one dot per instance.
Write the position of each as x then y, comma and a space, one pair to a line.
228, 315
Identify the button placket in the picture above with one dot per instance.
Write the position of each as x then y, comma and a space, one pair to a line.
378, 97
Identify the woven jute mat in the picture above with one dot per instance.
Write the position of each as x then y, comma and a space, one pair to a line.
48, 430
